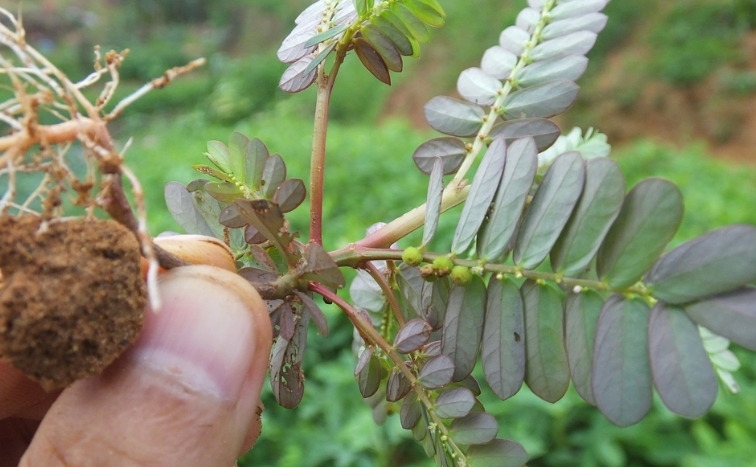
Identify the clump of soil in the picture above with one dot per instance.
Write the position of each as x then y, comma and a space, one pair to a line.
71, 296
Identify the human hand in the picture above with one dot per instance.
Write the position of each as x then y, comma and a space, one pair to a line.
187, 393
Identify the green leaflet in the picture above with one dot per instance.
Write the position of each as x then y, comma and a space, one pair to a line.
599, 205
426, 13
463, 326
518, 176
550, 210
621, 370
397, 37
547, 372
648, 220
581, 314
411, 22
384, 46
503, 348
716, 262
682, 371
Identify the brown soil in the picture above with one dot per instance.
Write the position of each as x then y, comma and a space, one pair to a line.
71, 296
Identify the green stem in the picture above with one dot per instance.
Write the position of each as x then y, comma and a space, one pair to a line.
354, 255
371, 333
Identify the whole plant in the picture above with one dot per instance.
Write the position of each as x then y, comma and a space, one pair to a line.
556, 274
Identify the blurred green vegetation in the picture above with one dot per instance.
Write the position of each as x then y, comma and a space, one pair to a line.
370, 178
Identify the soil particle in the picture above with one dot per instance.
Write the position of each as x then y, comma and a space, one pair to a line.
71, 296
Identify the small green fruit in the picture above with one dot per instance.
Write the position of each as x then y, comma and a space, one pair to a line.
443, 265
461, 275
412, 256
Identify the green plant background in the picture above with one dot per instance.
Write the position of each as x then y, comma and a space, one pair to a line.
371, 178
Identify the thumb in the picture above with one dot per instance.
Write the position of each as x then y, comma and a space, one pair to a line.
187, 393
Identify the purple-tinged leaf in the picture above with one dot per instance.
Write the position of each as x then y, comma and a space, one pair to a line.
503, 349
413, 335
577, 43
649, 218
273, 176
411, 22
286, 377
366, 293
384, 46
267, 218
295, 79
498, 62
436, 373
320, 267
224, 192
435, 298
397, 37
713, 263
372, 60
290, 194
256, 156
549, 210
482, 191
369, 379
497, 453
410, 412
544, 132
470, 383
397, 386
362, 362
253, 236
577, 8
463, 326
293, 47
527, 19
731, 315
257, 275
311, 13
315, 312
547, 372
450, 149
433, 349
454, 403
454, 117
621, 370
517, 179
478, 87
593, 22
433, 204
569, 67
581, 316
475, 428
410, 287
514, 39
263, 258
591, 219
231, 218
286, 324
543, 100
681, 368
420, 433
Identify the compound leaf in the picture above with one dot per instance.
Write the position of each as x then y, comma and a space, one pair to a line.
681, 368
621, 371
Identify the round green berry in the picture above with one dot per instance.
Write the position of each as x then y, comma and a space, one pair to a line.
461, 275
412, 256
443, 265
